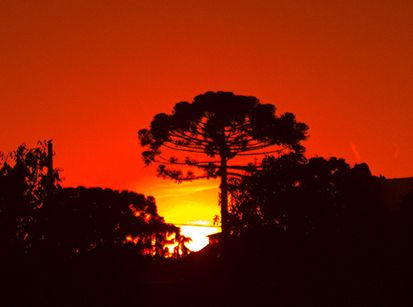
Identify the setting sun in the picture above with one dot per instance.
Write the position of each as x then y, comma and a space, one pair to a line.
199, 235
189, 205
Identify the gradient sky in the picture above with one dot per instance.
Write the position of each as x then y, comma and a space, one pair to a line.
90, 74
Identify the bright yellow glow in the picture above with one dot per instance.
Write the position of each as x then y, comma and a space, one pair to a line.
198, 234
187, 203
184, 202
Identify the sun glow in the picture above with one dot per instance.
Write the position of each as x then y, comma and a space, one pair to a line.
198, 234
190, 206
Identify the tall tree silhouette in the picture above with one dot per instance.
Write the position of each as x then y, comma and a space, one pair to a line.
220, 126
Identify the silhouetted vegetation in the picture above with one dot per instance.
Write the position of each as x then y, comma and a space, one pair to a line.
26, 184
300, 232
104, 218
221, 126
73, 246
306, 198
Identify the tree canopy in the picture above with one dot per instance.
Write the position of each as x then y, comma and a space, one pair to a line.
219, 126
27, 180
306, 197
38, 216
82, 219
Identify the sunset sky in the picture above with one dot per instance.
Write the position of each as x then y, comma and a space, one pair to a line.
90, 74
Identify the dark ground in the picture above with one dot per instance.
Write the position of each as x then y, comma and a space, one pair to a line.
300, 275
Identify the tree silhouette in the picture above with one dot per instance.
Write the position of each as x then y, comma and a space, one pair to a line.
180, 249
220, 126
84, 219
39, 217
307, 197
27, 181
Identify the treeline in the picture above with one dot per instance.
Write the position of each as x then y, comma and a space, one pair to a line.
303, 232
38, 215
295, 231
55, 241
308, 198
317, 232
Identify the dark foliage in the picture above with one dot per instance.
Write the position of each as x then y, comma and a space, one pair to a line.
306, 198
79, 220
73, 246
305, 233
39, 216
218, 127
26, 184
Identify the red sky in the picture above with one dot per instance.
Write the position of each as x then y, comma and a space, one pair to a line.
90, 74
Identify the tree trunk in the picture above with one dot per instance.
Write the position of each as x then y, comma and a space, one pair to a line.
224, 198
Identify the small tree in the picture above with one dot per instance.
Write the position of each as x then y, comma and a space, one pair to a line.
220, 126
27, 182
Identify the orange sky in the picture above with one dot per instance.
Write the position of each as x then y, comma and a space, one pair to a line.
89, 74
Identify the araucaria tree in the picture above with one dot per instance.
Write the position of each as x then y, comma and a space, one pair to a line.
222, 127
